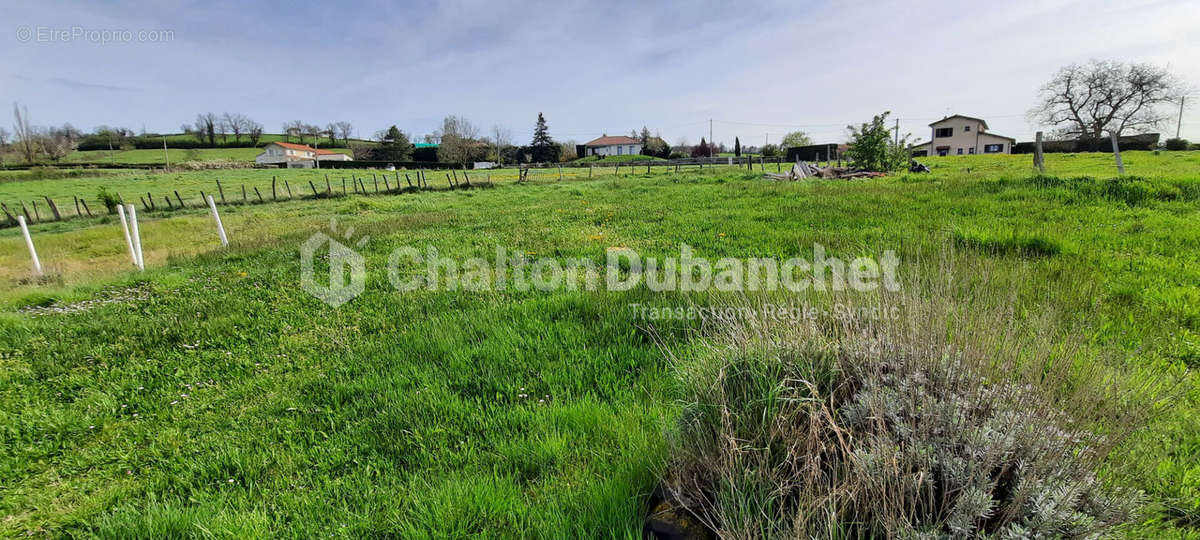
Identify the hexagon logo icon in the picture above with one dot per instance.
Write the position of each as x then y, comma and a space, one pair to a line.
343, 260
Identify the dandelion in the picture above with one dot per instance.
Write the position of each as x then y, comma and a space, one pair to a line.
230, 480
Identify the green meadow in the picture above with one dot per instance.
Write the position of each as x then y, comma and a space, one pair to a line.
210, 396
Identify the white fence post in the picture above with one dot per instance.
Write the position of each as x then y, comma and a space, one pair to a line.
125, 231
212, 205
1117, 153
137, 237
37, 265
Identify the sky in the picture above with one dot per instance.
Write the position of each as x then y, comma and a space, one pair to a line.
757, 70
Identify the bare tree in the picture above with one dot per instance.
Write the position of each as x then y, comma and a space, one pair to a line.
459, 140
295, 128
223, 127
237, 124
343, 129
206, 126
312, 131
254, 130
501, 138
1086, 100
58, 142
25, 136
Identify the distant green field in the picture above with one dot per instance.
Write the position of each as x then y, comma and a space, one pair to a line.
173, 155
220, 400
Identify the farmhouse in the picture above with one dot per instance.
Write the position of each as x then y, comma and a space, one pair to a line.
296, 155
613, 146
960, 135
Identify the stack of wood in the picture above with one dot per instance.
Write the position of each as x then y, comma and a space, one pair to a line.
802, 169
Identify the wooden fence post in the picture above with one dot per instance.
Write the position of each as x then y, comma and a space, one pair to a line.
260, 199
289, 188
314, 188
273, 196
180, 199
54, 209
85, 207
244, 200
8, 214
1039, 159
151, 198
221, 191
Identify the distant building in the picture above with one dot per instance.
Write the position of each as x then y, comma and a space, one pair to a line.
296, 155
613, 146
962, 135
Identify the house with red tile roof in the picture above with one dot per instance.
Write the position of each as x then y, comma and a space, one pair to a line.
619, 145
296, 155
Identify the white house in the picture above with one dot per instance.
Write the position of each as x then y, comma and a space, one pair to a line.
614, 146
962, 135
296, 155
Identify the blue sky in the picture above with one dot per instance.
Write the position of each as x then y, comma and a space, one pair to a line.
758, 70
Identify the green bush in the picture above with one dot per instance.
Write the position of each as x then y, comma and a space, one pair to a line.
1176, 144
110, 200
872, 147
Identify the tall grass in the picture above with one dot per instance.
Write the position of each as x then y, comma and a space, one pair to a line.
953, 416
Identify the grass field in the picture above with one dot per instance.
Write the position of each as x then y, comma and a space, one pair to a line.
174, 155
213, 397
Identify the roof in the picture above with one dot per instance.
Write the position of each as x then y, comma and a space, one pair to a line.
295, 146
325, 152
980, 120
425, 145
611, 140
988, 134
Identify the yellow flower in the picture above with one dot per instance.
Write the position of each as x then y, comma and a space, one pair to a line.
721, 235
242, 274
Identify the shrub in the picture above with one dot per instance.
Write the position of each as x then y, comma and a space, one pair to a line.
1176, 144
872, 146
844, 427
110, 200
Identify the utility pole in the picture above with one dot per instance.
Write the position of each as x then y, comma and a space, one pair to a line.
1179, 123
897, 143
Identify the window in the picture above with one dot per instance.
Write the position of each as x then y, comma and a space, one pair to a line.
971, 150
943, 132
993, 148
620, 150
966, 128
959, 151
